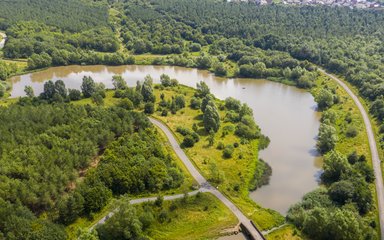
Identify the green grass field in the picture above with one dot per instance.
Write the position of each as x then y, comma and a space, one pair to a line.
237, 171
199, 217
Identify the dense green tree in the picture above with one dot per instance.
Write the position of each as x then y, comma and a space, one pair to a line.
95, 197
202, 89
88, 87
119, 82
71, 207
149, 108
74, 94
39, 61
147, 91
211, 117
327, 138
60, 89
29, 91
335, 167
124, 224
324, 99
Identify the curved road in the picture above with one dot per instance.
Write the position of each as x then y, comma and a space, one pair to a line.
372, 145
205, 186
4, 38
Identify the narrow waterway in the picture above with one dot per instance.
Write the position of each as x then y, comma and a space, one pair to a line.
286, 114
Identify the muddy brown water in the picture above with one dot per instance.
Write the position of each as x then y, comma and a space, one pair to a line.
286, 114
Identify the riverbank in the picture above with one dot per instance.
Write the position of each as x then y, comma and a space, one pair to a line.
292, 147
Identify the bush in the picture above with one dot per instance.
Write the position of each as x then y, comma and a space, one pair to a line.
195, 103
351, 132
126, 104
220, 146
74, 94
188, 142
228, 151
149, 108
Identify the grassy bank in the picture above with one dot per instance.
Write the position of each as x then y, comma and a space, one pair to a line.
237, 171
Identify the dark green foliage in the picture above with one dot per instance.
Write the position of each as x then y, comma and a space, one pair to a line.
341, 192
335, 167
147, 91
261, 176
124, 225
29, 91
327, 138
43, 148
95, 196
17, 222
324, 99
71, 207
71, 15
228, 151
88, 87
74, 94
135, 163
319, 218
149, 108
203, 62
166, 81
195, 103
190, 137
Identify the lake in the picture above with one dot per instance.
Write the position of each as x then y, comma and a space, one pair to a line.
287, 115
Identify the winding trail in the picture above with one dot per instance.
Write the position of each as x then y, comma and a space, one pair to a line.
2, 42
143, 200
372, 145
205, 186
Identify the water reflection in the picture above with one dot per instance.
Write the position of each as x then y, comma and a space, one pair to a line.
286, 114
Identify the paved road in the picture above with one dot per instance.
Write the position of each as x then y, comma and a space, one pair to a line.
205, 186
372, 145
2, 42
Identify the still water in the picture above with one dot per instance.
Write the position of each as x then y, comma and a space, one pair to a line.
286, 114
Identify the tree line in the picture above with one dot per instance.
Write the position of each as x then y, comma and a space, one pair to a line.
48, 143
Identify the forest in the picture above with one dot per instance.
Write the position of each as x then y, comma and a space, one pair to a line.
70, 15
264, 41
49, 142
49, 150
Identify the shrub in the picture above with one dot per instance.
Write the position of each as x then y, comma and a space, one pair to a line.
228, 151
149, 108
351, 132
220, 146
126, 104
